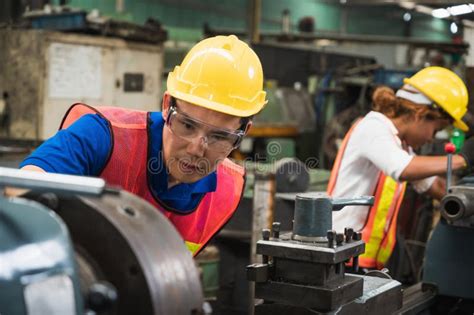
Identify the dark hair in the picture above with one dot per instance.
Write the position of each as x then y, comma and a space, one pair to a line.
385, 102
244, 121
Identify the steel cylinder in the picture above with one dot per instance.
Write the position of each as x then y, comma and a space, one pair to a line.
313, 217
456, 206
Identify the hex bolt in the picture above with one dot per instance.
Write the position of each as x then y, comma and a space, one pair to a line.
339, 239
266, 234
357, 236
331, 234
276, 229
348, 232
266, 237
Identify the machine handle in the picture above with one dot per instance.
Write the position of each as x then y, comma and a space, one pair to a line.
55, 183
339, 203
449, 148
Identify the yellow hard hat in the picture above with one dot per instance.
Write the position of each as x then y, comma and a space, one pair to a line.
445, 88
221, 73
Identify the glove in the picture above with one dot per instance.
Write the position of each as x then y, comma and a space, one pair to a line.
467, 152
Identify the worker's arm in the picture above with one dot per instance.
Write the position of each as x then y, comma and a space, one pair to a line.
81, 149
33, 168
425, 166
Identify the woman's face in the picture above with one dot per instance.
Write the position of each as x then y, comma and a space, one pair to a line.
422, 130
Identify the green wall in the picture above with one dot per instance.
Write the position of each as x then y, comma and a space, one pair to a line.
379, 21
326, 16
184, 19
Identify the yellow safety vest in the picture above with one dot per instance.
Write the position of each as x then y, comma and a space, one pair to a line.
379, 231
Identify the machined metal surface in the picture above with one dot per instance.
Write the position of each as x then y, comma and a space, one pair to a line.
34, 250
328, 297
458, 203
311, 252
417, 298
303, 272
448, 260
124, 240
380, 296
59, 183
313, 213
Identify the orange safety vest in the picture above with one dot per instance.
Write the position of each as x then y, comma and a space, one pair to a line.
128, 163
379, 231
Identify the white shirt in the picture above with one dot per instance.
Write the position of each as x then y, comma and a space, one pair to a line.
374, 146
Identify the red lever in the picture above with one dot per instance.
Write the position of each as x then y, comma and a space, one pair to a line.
449, 148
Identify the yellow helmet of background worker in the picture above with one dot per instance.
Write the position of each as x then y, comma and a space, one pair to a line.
445, 88
221, 73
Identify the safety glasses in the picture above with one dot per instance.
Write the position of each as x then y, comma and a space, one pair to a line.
191, 129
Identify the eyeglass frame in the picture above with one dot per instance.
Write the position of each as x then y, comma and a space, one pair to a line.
173, 108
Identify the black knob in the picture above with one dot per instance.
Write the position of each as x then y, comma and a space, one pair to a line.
331, 235
101, 297
266, 234
339, 238
357, 236
276, 229
348, 232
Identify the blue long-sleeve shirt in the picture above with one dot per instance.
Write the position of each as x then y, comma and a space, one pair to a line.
83, 149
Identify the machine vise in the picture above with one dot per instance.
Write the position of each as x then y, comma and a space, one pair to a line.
304, 271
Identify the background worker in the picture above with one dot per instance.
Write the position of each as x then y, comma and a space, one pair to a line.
175, 159
376, 157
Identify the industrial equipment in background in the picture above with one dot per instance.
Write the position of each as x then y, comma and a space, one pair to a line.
105, 252
337, 121
56, 56
447, 271
304, 272
446, 279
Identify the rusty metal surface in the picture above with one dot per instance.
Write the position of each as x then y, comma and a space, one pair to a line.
124, 240
34, 100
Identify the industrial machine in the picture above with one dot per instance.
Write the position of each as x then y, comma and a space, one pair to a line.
449, 256
104, 252
45, 72
304, 271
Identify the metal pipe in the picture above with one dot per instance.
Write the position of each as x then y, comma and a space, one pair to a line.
456, 206
449, 172
57, 183
449, 148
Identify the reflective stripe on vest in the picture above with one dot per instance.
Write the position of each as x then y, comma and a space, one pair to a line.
379, 231
129, 130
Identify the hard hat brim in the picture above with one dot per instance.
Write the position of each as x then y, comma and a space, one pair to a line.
218, 107
461, 125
